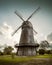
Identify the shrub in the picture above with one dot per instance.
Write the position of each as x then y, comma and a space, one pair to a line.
41, 51
1, 53
49, 52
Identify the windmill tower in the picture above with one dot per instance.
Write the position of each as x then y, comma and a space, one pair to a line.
27, 45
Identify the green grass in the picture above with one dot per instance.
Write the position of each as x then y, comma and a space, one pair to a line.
44, 56
22, 58
16, 59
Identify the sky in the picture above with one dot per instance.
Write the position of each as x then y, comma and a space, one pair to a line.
41, 20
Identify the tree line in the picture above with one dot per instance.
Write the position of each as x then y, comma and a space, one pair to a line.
42, 49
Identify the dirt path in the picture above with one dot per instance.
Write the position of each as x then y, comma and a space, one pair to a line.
37, 61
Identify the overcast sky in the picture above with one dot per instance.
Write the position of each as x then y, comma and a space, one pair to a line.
42, 20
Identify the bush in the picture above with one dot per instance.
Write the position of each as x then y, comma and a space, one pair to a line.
13, 55
49, 52
1, 53
41, 51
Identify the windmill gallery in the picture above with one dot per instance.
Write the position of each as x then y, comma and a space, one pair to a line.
27, 46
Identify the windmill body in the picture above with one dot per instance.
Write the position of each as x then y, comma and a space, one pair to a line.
26, 34
27, 46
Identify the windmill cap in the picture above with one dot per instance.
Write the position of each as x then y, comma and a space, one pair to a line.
27, 24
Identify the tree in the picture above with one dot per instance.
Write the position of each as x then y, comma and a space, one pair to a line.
8, 50
43, 47
44, 44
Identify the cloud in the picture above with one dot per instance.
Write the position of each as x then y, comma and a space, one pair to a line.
40, 37
49, 37
1, 33
6, 37
5, 32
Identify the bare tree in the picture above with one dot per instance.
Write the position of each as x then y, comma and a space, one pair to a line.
44, 44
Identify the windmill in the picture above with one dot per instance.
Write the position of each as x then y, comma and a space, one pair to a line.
27, 45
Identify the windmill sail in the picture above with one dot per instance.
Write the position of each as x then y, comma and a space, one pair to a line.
16, 30
33, 13
19, 15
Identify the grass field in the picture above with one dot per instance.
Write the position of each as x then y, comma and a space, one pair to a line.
22, 58
7, 59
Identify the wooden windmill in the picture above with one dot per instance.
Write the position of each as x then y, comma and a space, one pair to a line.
27, 45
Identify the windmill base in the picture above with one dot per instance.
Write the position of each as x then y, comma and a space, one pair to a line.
26, 51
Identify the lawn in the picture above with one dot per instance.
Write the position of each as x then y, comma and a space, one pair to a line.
44, 56
7, 60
